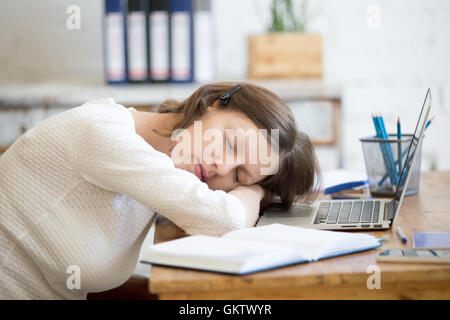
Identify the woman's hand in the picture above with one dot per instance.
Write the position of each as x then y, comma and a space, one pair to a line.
250, 197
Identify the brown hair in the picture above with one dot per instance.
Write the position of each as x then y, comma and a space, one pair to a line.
298, 165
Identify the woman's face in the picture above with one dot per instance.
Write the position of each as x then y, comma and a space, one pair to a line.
224, 148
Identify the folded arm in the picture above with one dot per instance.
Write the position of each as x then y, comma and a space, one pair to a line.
250, 197
112, 156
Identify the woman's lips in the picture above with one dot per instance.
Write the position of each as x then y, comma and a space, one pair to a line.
203, 171
200, 172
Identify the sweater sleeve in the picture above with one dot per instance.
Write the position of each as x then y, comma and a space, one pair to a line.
111, 155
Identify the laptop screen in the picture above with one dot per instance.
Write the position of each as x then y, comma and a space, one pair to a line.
420, 127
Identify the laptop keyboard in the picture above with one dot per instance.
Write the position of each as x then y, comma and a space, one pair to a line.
345, 212
337, 212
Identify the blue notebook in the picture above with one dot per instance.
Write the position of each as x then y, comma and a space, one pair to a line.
256, 249
115, 40
431, 240
137, 41
159, 44
181, 41
340, 180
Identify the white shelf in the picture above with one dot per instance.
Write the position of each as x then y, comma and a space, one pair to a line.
71, 95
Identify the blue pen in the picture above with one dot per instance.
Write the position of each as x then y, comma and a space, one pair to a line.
401, 235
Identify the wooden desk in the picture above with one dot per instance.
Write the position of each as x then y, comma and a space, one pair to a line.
342, 277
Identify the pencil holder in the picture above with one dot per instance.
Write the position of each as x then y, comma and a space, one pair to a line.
384, 166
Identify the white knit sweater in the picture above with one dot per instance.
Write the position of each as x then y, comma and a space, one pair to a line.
77, 193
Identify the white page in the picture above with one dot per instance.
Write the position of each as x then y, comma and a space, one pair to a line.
220, 254
207, 246
258, 248
309, 242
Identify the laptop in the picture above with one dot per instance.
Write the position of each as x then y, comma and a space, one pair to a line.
368, 214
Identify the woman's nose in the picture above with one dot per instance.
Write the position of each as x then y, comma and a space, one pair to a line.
223, 164
225, 168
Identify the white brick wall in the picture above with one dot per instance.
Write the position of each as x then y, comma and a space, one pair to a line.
37, 46
385, 70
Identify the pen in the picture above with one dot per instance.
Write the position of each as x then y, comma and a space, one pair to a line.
401, 235
404, 153
429, 122
399, 145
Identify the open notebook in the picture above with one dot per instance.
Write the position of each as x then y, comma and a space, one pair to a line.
255, 249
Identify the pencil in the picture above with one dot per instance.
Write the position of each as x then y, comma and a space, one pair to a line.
392, 170
429, 122
399, 145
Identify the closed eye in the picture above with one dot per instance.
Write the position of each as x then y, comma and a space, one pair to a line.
230, 144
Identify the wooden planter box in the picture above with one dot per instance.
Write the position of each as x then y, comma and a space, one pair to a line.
285, 55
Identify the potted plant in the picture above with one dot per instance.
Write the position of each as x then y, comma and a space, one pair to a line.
286, 50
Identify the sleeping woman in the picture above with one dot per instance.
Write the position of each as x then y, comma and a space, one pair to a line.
79, 190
